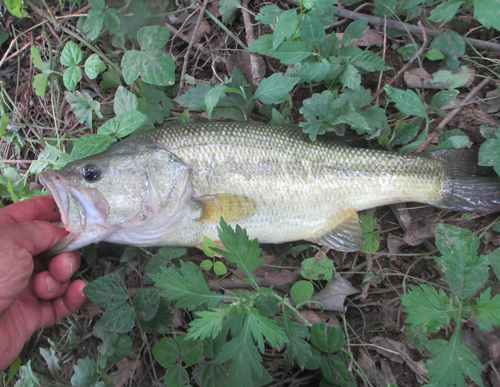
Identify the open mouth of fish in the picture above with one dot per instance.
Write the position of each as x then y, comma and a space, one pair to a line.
83, 213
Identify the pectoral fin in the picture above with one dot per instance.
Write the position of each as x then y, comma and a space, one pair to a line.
232, 208
346, 235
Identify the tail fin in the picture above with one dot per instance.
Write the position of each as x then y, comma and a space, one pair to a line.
469, 186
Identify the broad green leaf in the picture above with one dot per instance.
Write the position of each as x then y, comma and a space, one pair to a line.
71, 54
124, 102
207, 247
298, 349
159, 69
274, 89
369, 61
445, 11
317, 271
90, 145
407, 101
434, 54
166, 352
489, 153
451, 362
408, 51
71, 77
16, 8
318, 106
160, 323
172, 252
287, 24
487, 311
443, 98
228, 9
301, 291
177, 376
330, 47
83, 105
334, 370
425, 306
37, 59
208, 324
290, 53
153, 37
350, 77
355, 30
86, 374
372, 242
40, 84
132, 65
312, 32
328, 339
94, 66
111, 79
452, 80
263, 45
194, 99
186, 286
451, 45
240, 249
110, 127
97, 4
146, 303
495, 256
268, 14
51, 359
343, 112
122, 347
93, 25
407, 132
207, 264
120, 320
130, 122
453, 139
311, 70
209, 374
212, 98
191, 350
111, 19
486, 12
107, 292
220, 268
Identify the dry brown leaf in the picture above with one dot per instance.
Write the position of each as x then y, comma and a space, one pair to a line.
251, 66
334, 293
314, 317
124, 372
419, 78
370, 38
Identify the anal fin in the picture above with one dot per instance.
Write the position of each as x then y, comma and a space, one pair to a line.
233, 208
346, 235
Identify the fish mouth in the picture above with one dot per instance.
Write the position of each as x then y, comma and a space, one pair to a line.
83, 213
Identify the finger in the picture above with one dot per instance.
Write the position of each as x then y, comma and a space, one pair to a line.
47, 288
39, 208
60, 308
63, 266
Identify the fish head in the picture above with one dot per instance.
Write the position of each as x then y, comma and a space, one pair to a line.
130, 190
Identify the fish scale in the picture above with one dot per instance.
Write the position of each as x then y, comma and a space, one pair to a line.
270, 179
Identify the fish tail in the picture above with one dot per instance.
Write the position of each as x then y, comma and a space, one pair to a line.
468, 186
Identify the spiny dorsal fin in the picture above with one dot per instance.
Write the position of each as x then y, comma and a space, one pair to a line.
346, 235
232, 208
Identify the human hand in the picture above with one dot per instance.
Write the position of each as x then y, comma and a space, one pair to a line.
32, 297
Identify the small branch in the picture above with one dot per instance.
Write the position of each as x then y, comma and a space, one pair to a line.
248, 23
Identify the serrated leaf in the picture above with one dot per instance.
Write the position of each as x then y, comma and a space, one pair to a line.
97, 4
212, 98
93, 25
71, 54
407, 101
228, 9
451, 362
186, 286
298, 349
120, 320
111, 19
311, 71
153, 37
71, 77
301, 291
40, 84
209, 374
51, 359
351, 77
36, 58
107, 292
487, 311
265, 329
146, 303
90, 145
166, 352
312, 32
83, 105
407, 132
268, 14
443, 98
328, 339
290, 53
263, 45
274, 89
194, 99
369, 61
287, 24
445, 11
130, 122
94, 66
355, 30
486, 12
208, 324
86, 374
408, 51
161, 322
451, 45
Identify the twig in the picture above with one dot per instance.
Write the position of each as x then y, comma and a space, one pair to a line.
188, 51
198, 46
452, 114
248, 23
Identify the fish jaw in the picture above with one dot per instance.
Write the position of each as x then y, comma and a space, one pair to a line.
83, 213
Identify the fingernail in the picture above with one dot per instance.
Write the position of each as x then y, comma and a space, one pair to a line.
47, 280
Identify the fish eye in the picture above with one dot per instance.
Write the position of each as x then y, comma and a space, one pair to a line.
91, 173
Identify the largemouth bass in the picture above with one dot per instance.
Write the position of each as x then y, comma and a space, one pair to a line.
171, 186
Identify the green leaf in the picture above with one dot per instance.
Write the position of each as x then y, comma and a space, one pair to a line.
220, 268
263, 45
274, 89
83, 105
228, 9
86, 374
90, 145
287, 24
97, 4
370, 62
466, 273
328, 339
71, 54
453, 139
132, 65
208, 324
434, 54
335, 371
191, 350
489, 153
194, 99
71, 77
372, 242
94, 66
487, 311
451, 362
495, 256
268, 14
408, 51
40, 84
159, 69
186, 286
161, 322
240, 249
443, 98
51, 359
407, 101
312, 32
317, 271
486, 12
212, 98
351, 78
153, 37
166, 352
290, 53
209, 374
124, 102
93, 25
146, 303
120, 320
426, 307
355, 30
16, 8
111, 19
130, 122
301, 291
107, 292
451, 45
265, 329
177, 376
207, 247
37, 60
445, 11
111, 79
452, 80
243, 361
298, 349
407, 132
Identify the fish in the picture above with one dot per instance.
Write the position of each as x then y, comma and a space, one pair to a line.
171, 186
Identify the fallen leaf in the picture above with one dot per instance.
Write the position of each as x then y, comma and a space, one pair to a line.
314, 317
335, 292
